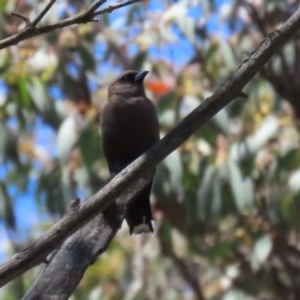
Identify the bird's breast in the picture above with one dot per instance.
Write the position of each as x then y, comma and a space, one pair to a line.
130, 118
128, 128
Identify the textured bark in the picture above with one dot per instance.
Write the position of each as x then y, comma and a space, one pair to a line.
62, 274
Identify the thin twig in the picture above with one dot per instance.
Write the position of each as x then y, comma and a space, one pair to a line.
80, 18
23, 18
187, 275
111, 8
41, 15
257, 20
93, 7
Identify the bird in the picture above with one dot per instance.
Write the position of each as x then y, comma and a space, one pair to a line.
129, 126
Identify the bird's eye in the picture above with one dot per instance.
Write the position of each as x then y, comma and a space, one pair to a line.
125, 77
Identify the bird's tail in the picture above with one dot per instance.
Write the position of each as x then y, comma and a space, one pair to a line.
138, 215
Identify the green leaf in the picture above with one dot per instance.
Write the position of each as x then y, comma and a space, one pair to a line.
8, 145
67, 137
165, 237
261, 250
49, 192
23, 92
37, 92
173, 164
87, 58
209, 195
90, 145
139, 60
7, 211
165, 103
289, 161
187, 26
222, 120
167, 118
242, 189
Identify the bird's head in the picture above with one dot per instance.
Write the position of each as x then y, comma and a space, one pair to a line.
129, 83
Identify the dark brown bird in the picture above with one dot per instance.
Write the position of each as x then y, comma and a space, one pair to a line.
129, 127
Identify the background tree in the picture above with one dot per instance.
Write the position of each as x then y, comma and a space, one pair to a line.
225, 202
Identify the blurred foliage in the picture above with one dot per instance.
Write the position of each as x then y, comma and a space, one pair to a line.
226, 203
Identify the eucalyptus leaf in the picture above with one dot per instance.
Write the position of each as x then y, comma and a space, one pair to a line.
7, 211
242, 189
37, 92
222, 120
261, 251
24, 99
173, 164
67, 137
187, 26
209, 194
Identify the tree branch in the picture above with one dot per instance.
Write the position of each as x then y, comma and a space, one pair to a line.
62, 274
111, 8
127, 179
87, 15
41, 15
190, 278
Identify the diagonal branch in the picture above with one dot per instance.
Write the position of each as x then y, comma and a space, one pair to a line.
87, 15
23, 18
111, 8
66, 266
60, 277
93, 7
126, 180
41, 15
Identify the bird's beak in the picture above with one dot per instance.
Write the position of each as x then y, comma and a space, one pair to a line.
139, 77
